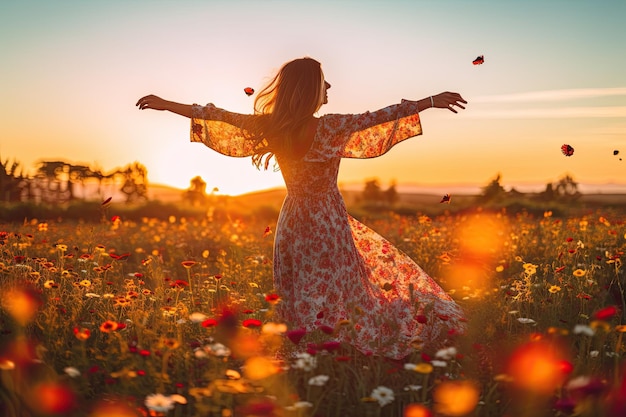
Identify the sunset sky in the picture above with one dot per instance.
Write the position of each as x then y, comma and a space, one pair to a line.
554, 73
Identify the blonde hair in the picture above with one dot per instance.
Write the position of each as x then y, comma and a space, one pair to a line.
283, 108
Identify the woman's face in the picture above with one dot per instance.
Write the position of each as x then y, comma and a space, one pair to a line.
325, 88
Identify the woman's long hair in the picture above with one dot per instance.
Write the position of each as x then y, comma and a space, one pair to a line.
283, 108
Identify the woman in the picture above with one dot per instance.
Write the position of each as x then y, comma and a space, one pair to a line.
328, 267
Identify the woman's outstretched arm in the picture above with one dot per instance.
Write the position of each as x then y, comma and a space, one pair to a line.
445, 100
157, 103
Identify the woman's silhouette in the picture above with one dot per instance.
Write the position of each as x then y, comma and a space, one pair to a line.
328, 267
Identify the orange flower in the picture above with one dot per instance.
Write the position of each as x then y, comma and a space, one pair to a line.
109, 326
81, 333
188, 264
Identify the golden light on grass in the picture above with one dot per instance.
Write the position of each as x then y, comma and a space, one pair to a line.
538, 367
456, 398
259, 367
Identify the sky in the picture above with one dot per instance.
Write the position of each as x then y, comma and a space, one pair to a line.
554, 74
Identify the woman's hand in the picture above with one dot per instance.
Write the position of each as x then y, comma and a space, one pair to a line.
152, 102
448, 100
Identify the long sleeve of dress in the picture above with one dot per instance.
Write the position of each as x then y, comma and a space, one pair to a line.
220, 130
367, 135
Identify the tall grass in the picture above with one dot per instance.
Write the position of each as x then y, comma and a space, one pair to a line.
174, 316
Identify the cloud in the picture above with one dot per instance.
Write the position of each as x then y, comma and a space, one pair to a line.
552, 95
549, 113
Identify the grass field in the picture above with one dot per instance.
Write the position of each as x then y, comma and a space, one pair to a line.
174, 317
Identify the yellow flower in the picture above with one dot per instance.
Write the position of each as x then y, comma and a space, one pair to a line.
499, 268
554, 289
61, 247
85, 283
423, 368
621, 328
530, 269
579, 273
600, 325
50, 284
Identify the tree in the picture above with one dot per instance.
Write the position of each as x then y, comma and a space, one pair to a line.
567, 188
494, 190
372, 192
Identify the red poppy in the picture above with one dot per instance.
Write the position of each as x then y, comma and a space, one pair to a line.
249, 91
209, 323
188, 264
252, 323
567, 150
559, 269
605, 313
272, 298
119, 257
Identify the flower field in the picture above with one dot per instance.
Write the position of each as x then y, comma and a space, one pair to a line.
176, 318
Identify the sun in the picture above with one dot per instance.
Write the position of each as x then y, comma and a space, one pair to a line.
176, 166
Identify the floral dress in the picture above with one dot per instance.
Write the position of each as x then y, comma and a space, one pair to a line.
329, 269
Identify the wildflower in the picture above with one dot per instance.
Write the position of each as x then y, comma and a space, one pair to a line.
319, 380
188, 264
72, 372
584, 330
600, 324
554, 289
499, 268
272, 298
50, 284
218, 349
197, 317
296, 335
108, 326
383, 395
159, 403
274, 328
423, 368
439, 364
526, 320
530, 269
305, 361
209, 323
446, 353
252, 323
413, 388
605, 313
92, 295
85, 283
82, 333
579, 273
171, 343
621, 328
